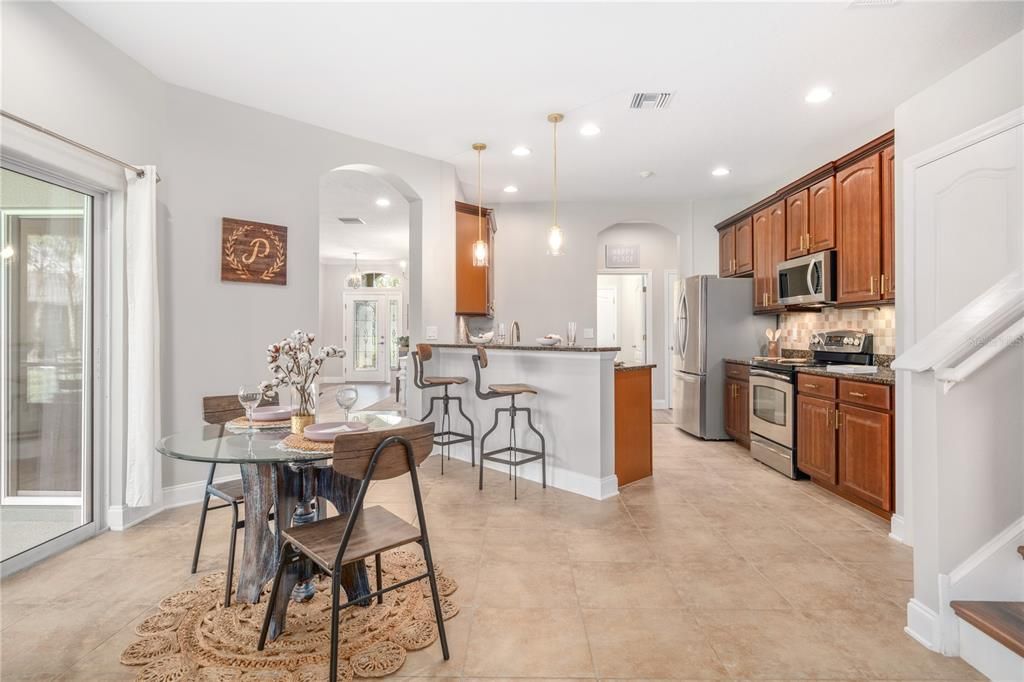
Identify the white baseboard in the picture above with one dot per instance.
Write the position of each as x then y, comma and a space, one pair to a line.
563, 479
189, 493
332, 380
922, 624
989, 657
120, 517
659, 404
897, 530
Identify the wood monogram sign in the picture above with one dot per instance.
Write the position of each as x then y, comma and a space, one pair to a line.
253, 252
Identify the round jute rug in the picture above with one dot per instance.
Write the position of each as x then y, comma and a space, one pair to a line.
193, 637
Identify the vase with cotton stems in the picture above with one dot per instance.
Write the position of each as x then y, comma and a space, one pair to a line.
294, 364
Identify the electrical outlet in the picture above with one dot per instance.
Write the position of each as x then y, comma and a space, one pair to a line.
431, 333
588, 332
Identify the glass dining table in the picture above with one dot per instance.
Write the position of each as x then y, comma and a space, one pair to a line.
290, 483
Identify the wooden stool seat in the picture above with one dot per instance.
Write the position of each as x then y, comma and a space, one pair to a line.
376, 530
231, 489
512, 389
444, 381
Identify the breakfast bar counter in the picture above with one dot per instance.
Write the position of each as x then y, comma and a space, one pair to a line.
574, 407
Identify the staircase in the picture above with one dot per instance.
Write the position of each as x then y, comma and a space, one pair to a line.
984, 623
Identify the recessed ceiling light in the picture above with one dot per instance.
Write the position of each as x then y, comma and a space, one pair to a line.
511, 189
520, 151
720, 171
589, 129
383, 202
818, 95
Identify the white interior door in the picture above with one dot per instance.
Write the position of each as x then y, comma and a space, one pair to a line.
607, 317
366, 329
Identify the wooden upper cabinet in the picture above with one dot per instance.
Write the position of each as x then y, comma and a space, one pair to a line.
797, 221
816, 438
777, 253
859, 214
762, 259
888, 283
865, 455
727, 251
744, 236
821, 224
473, 291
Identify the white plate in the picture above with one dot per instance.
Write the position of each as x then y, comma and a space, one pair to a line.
549, 342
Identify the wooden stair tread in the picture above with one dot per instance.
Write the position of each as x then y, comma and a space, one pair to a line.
1003, 621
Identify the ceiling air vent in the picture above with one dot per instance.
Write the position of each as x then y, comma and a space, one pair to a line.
651, 100
352, 221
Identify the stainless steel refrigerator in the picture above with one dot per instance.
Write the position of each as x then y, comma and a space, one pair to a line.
714, 321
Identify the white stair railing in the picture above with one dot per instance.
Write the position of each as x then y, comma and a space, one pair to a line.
978, 332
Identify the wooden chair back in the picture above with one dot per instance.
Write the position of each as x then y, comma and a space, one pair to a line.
354, 451
220, 409
425, 351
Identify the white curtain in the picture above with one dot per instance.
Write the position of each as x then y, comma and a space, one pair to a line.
143, 486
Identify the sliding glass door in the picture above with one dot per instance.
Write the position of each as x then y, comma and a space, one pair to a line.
45, 361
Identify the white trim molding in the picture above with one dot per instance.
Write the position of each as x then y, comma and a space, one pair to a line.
897, 530
922, 624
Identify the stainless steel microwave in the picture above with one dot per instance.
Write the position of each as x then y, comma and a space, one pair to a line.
808, 280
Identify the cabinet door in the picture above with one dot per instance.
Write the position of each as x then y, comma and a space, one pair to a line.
744, 247
472, 290
865, 455
762, 259
730, 407
888, 283
726, 252
797, 216
816, 438
742, 408
858, 190
777, 249
821, 224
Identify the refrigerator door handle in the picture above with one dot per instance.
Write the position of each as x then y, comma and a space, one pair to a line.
684, 325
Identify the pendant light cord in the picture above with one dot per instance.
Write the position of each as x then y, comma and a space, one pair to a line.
554, 203
479, 196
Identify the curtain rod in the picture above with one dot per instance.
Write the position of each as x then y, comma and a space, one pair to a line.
139, 172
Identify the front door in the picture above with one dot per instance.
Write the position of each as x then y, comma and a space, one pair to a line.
366, 327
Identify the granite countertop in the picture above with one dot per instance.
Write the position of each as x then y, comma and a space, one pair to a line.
739, 362
884, 375
633, 366
518, 346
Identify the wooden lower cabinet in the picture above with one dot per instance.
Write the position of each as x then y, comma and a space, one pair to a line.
633, 425
865, 455
816, 438
737, 410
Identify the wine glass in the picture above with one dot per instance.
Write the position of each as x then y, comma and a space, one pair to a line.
249, 396
571, 334
346, 397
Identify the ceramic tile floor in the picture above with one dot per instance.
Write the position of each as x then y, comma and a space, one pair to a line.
714, 568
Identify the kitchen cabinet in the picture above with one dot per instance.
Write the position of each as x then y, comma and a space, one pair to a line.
737, 403
797, 224
821, 228
816, 438
865, 454
474, 291
888, 283
744, 236
633, 424
845, 439
859, 213
727, 251
769, 251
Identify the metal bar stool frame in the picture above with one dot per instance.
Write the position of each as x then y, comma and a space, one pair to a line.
513, 461
445, 437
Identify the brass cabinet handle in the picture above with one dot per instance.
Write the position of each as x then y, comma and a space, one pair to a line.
855, 394
871, 283
811, 385
837, 422
881, 288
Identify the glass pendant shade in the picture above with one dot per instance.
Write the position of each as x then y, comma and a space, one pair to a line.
355, 278
480, 253
555, 241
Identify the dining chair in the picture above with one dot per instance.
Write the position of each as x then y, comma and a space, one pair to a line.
338, 541
220, 409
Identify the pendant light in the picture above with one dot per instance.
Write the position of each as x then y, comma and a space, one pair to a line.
555, 239
355, 278
480, 255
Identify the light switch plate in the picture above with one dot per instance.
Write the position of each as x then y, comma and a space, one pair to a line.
588, 332
431, 333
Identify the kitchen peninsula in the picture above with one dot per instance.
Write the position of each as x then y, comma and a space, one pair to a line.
574, 408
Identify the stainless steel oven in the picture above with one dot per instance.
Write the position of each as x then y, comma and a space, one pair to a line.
808, 280
772, 420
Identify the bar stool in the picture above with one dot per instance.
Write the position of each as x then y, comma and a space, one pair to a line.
445, 437
508, 391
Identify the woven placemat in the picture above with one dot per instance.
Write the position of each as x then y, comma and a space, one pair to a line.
297, 441
243, 423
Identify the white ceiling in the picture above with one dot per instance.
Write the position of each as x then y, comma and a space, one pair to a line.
434, 78
351, 194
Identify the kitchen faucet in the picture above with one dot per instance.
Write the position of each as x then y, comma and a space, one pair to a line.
514, 332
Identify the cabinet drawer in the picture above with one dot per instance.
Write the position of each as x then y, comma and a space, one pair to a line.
812, 384
863, 393
734, 371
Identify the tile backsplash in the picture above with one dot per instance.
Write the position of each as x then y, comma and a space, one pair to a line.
881, 321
